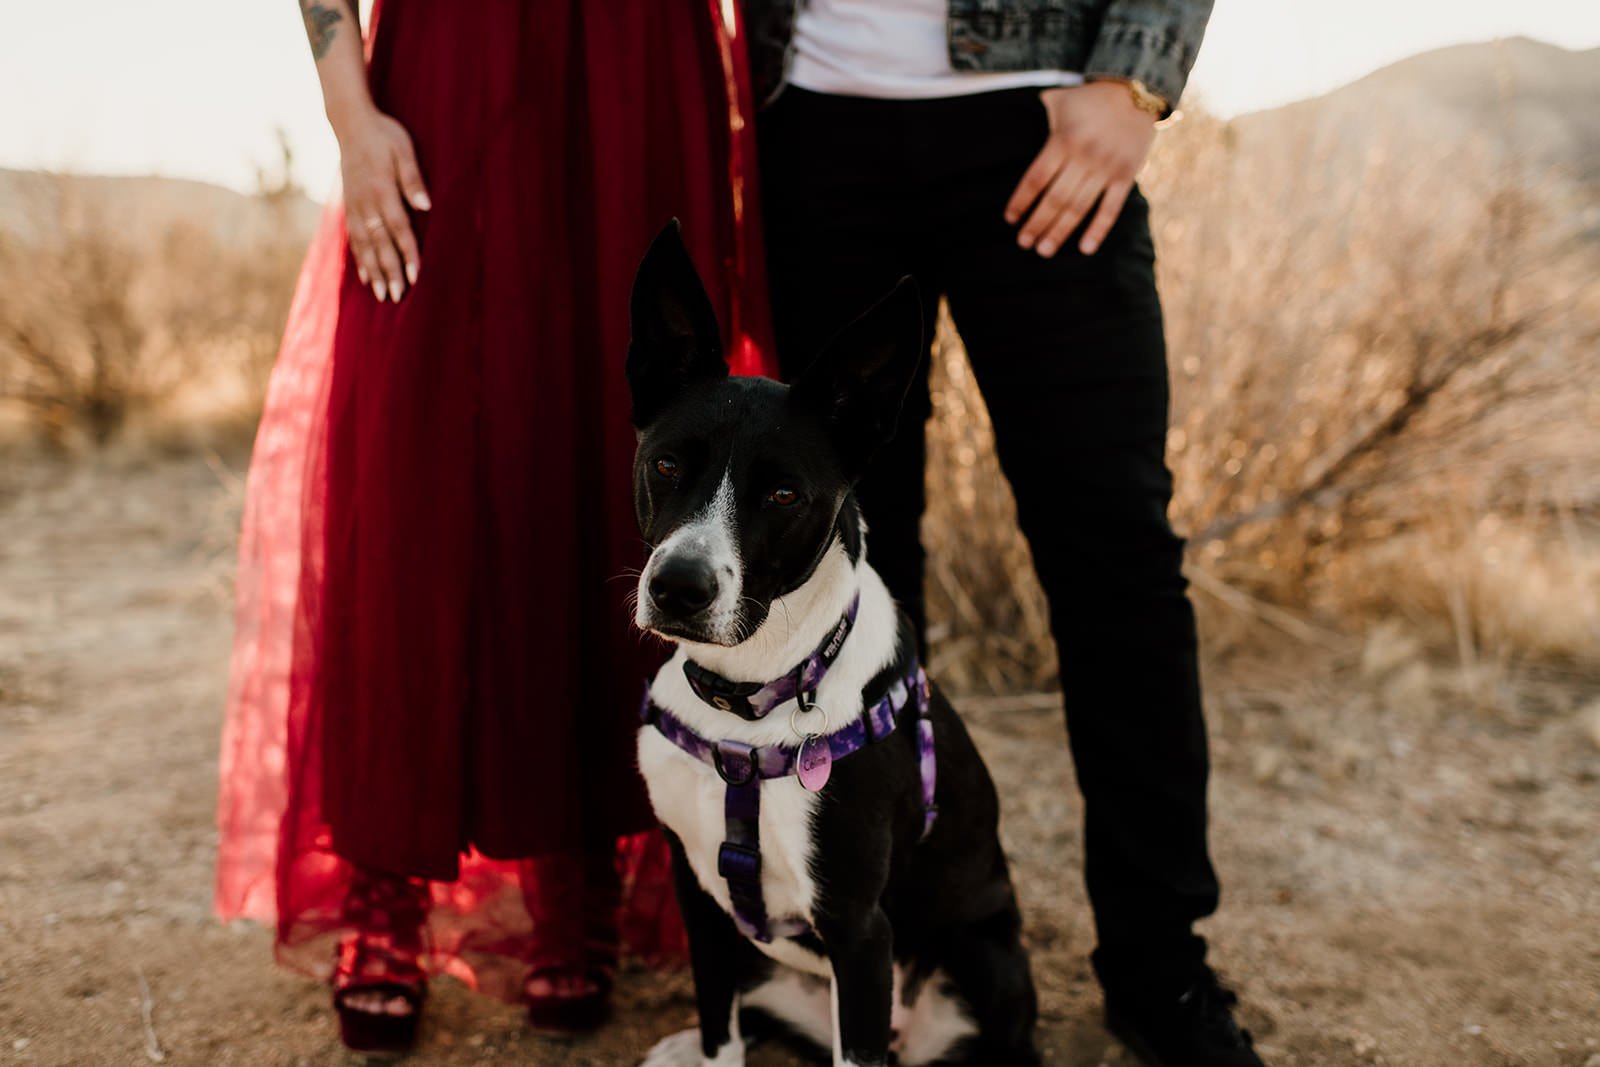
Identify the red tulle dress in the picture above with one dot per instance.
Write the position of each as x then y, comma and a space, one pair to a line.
435, 682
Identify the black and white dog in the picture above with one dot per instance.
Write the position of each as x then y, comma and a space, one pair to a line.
833, 829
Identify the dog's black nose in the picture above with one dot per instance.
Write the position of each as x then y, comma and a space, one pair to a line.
683, 587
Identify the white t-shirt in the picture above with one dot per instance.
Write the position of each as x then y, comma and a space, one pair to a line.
891, 49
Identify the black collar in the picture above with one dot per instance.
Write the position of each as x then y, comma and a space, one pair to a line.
753, 700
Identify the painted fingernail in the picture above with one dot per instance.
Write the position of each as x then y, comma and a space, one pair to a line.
411, 273
1025, 240
421, 202
1011, 218
361, 272
380, 290
1047, 248
1088, 248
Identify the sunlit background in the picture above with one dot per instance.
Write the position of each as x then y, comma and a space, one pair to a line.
186, 90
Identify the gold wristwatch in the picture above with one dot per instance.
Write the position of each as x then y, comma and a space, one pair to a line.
1144, 98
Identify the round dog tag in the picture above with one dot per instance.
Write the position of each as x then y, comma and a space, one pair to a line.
814, 762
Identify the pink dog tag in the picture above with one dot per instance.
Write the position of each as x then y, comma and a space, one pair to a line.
814, 762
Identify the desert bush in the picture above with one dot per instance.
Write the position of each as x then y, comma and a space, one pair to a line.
102, 322
1381, 360
1372, 358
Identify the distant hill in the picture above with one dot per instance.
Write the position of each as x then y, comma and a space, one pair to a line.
1517, 98
33, 205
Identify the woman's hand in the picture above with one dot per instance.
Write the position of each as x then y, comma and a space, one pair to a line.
381, 176
375, 154
1099, 139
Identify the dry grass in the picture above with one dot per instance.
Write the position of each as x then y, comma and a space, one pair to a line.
1381, 403
109, 334
1379, 413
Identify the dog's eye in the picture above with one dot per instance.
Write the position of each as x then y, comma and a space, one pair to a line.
784, 497
667, 467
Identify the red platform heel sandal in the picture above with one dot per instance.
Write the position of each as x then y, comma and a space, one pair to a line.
378, 993
379, 985
568, 988
568, 1001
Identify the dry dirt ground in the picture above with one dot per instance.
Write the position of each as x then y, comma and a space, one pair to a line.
1412, 876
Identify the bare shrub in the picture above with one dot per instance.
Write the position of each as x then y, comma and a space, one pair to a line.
101, 321
1381, 364
989, 623
71, 337
1362, 355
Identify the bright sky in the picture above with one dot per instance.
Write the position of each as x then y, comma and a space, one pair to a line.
192, 90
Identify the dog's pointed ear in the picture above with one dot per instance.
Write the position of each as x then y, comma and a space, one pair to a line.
858, 383
675, 338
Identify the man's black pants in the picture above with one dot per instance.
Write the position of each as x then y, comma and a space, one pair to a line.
1071, 360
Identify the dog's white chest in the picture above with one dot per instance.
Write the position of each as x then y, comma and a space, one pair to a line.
690, 797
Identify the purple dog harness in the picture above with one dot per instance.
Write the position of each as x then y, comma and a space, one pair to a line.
743, 767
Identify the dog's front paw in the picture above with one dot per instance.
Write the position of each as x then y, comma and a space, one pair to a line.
683, 1050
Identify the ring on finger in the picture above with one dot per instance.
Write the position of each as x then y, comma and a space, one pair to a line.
374, 224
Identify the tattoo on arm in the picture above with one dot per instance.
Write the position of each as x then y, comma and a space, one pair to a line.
322, 23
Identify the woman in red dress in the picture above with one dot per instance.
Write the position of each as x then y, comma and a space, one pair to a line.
427, 764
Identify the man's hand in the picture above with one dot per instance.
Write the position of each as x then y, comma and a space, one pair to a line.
1099, 139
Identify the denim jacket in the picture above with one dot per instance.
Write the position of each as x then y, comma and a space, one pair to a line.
1154, 41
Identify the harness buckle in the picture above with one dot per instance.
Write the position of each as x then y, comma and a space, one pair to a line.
728, 751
